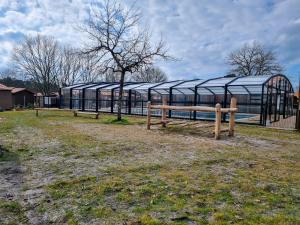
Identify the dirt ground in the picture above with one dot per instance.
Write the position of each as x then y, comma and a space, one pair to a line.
57, 169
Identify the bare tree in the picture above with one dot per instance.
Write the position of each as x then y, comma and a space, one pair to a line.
119, 43
253, 60
110, 76
151, 74
70, 66
8, 72
37, 57
90, 68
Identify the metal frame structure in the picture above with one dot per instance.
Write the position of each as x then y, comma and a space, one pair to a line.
261, 99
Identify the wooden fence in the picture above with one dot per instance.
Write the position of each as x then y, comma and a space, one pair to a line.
217, 109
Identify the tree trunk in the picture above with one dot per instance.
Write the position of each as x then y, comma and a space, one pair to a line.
121, 95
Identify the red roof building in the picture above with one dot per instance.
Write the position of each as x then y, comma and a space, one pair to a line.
11, 97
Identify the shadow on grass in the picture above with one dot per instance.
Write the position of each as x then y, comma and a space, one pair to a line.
11, 211
189, 130
123, 121
6, 155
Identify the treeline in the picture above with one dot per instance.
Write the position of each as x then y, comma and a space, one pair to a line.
45, 64
13, 82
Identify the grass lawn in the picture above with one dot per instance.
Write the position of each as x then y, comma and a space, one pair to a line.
57, 169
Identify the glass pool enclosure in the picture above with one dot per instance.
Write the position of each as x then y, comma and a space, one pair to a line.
260, 99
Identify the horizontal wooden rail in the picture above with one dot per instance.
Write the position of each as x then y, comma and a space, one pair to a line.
217, 110
192, 108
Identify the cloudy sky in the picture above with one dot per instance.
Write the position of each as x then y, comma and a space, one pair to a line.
199, 32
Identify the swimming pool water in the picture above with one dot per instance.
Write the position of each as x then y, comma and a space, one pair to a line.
199, 115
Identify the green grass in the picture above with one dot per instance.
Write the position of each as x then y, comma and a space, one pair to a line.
116, 121
117, 172
6, 155
14, 212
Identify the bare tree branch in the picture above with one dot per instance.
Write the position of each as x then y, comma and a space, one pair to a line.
253, 60
151, 74
70, 66
119, 43
38, 58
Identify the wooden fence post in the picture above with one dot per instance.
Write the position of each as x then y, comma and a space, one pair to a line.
231, 116
218, 121
148, 115
164, 113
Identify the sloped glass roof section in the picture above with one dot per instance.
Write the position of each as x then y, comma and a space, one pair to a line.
126, 87
73, 86
214, 86
143, 89
164, 88
189, 84
83, 87
111, 87
132, 86
100, 86
218, 82
248, 85
187, 87
250, 80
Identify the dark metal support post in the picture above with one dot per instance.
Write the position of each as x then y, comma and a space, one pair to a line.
129, 101
59, 93
276, 101
83, 100
262, 105
271, 102
112, 101
97, 100
170, 101
284, 99
149, 95
71, 95
225, 102
195, 102
267, 107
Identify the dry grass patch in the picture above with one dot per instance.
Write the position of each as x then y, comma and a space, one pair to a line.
65, 170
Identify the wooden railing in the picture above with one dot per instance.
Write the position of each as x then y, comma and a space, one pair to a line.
217, 110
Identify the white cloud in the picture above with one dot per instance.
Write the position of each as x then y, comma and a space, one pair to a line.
200, 33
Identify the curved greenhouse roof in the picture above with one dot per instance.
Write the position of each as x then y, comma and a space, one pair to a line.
234, 85
261, 99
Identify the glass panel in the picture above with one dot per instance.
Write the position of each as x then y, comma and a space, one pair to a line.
131, 86
72, 86
217, 82
161, 91
111, 87
217, 90
182, 91
145, 87
85, 86
100, 86
250, 80
203, 91
167, 85
237, 90
189, 84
